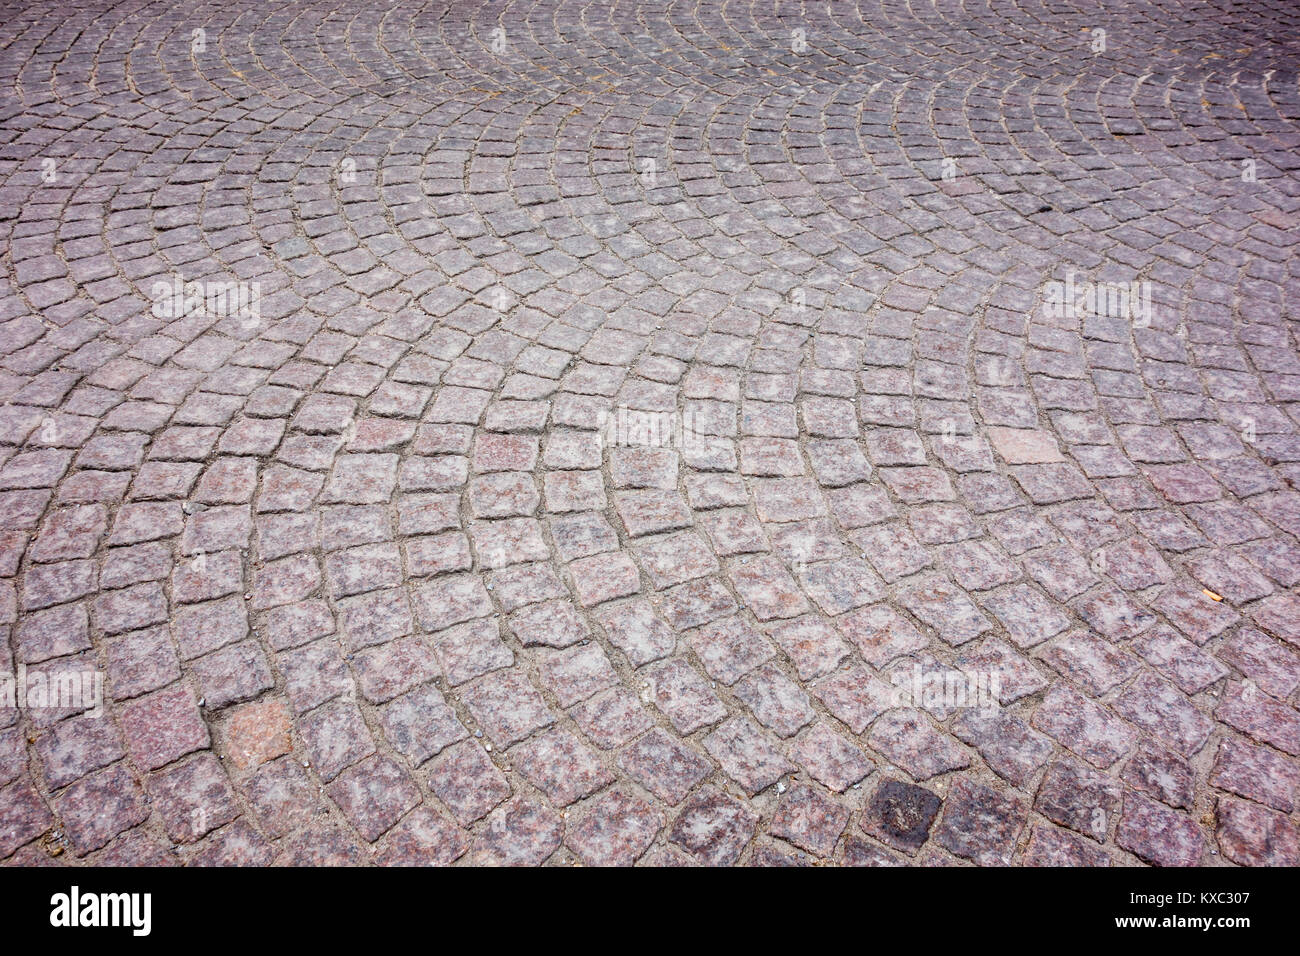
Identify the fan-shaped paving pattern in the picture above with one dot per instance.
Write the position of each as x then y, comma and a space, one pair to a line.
638, 392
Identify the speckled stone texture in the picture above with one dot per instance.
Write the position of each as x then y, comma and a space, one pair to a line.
651, 433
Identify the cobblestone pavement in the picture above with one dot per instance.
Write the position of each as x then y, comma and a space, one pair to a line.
666, 432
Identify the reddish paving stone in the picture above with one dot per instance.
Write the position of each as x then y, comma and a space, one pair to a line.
787, 499
616, 830
507, 706
1049, 847
1011, 749
829, 758
522, 585
734, 532
335, 736
94, 810
1074, 796
13, 755
1256, 773
714, 828
747, 755
1024, 446
769, 855
1245, 709
497, 452
900, 814
635, 630
561, 766
1252, 835
24, 816
1157, 834
465, 779
730, 648
667, 768
256, 733
683, 696
163, 726
1162, 774
981, 824
611, 719
907, 738
193, 798
854, 696
1083, 727
373, 795
810, 820
1134, 565
299, 623
423, 838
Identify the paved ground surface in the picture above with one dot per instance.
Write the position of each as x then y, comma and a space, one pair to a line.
366, 581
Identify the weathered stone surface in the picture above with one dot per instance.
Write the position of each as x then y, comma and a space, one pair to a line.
428, 470
901, 814
981, 824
